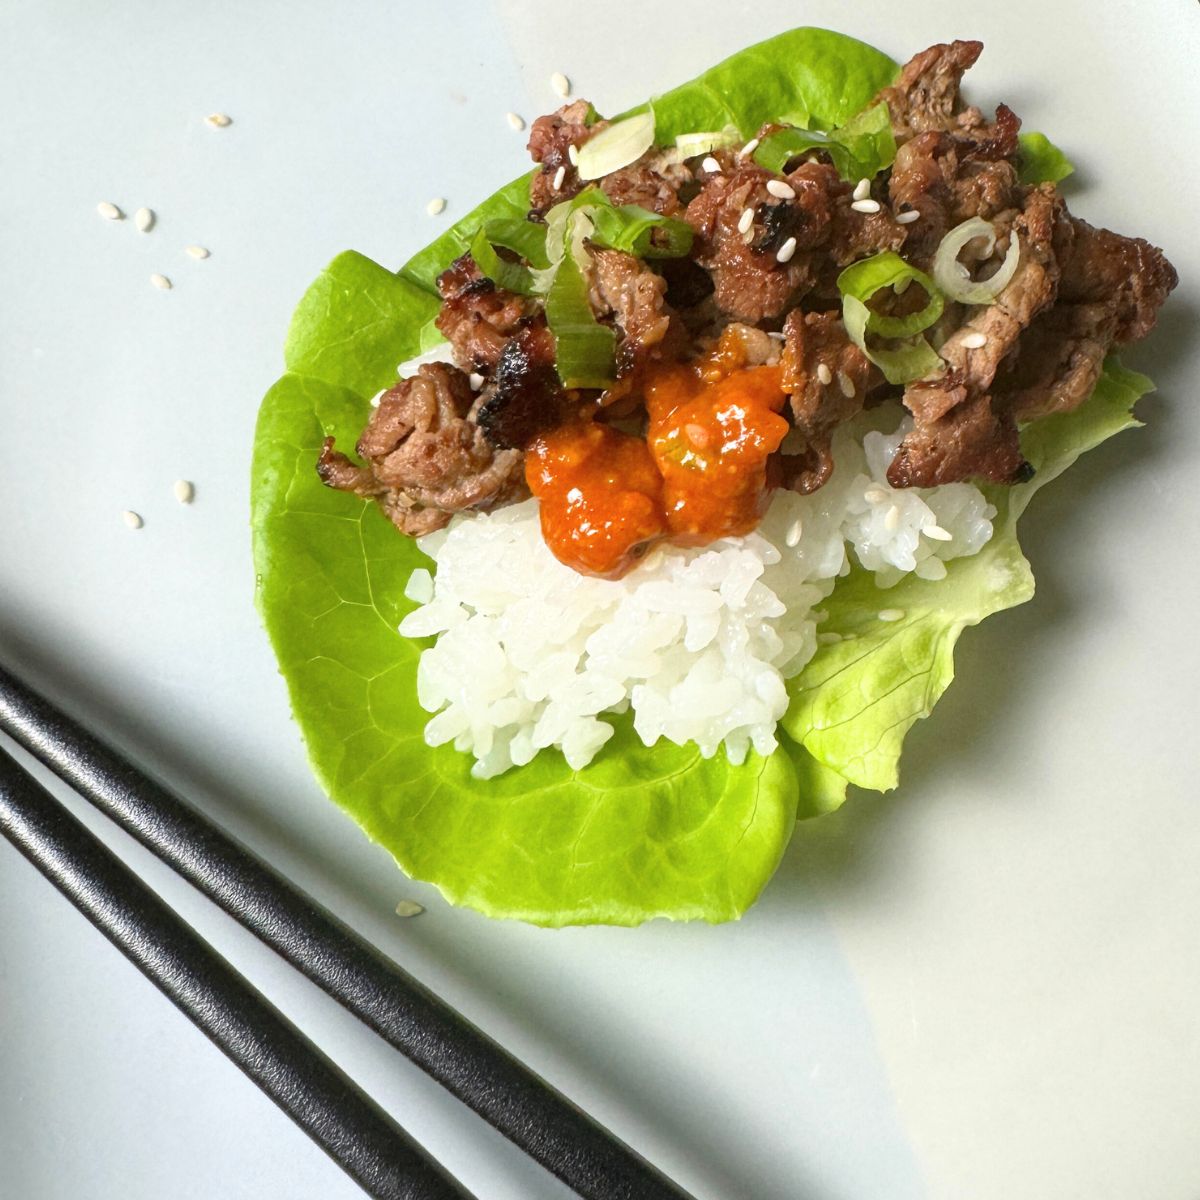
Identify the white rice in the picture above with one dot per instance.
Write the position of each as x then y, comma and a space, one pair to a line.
697, 643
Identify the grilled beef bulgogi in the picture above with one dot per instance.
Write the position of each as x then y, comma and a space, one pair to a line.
765, 255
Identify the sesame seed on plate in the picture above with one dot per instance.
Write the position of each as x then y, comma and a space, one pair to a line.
862, 189
573, 154
846, 384
937, 533
907, 218
749, 148
745, 220
711, 165
184, 491
828, 639
890, 614
476, 381
561, 84
436, 205
785, 252
109, 211
891, 520
161, 282
777, 187
866, 206
794, 533
559, 176
517, 122
409, 908
973, 341
218, 120
196, 251
132, 519
144, 220
824, 374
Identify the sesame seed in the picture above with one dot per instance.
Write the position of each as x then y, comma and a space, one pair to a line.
476, 381
784, 191
862, 189
749, 148
748, 236
907, 218
516, 121
573, 154
875, 495
937, 533
109, 211
161, 282
891, 520
132, 520
866, 206
824, 374
745, 220
828, 639
794, 533
846, 384
435, 206
559, 176
697, 435
711, 165
785, 252
218, 120
409, 908
196, 251
144, 220
561, 84
184, 491
890, 614
973, 341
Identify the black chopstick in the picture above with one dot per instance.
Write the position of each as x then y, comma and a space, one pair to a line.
482, 1074
346, 1123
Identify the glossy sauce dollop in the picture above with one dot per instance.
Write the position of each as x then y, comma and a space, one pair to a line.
699, 475
711, 432
601, 496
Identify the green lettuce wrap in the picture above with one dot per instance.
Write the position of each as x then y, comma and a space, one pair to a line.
641, 832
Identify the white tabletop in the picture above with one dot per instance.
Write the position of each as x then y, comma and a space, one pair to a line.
983, 985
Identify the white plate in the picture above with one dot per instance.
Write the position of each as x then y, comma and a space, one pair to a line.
983, 985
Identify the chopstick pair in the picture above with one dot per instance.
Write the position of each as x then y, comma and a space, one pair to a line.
313, 1091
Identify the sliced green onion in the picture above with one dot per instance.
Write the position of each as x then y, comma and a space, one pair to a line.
690, 145
899, 364
640, 232
585, 350
622, 143
511, 276
913, 358
887, 269
860, 149
954, 279
526, 238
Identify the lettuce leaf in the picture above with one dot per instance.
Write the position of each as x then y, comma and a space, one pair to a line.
855, 701
641, 832
1041, 161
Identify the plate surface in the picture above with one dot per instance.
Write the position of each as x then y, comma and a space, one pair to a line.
981, 985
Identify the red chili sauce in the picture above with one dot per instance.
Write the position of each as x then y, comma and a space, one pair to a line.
700, 474
600, 494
